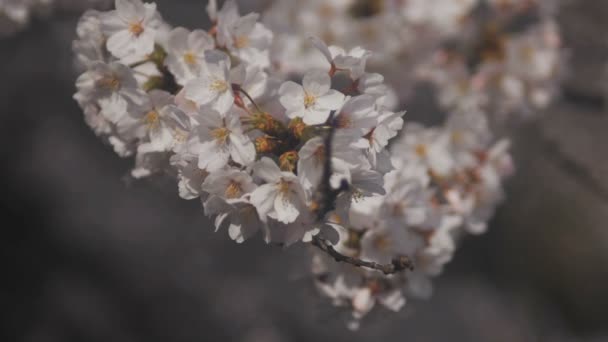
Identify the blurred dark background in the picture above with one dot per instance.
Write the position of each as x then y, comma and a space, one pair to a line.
90, 257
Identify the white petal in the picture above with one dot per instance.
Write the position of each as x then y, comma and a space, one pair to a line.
313, 116
242, 149
316, 82
332, 100
286, 210
178, 40
199, 91
224, 101
211, 157
130, 9
291, 95
120, 43
268, 170
263, 199
363, 302
319, 44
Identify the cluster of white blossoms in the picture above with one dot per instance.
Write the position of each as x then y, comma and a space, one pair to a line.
16, 14
306, 161
507, 52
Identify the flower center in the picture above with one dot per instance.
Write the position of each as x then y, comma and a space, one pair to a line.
136, 28
221, 134
284, 187
421, 150
241, 42
190, 58
233, 190
151, 119
457, 137
110, 82
309, 100
382, 243
219, 86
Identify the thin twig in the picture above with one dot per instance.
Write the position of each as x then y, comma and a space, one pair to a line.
249, 97
398, 264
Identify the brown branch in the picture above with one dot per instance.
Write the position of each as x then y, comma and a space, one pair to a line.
325, 196
325, 199
399, 264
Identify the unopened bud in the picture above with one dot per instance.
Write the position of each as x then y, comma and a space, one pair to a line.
288, 161
266, 144
296, 127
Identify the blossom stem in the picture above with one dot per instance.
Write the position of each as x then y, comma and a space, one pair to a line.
398, 264
237, 87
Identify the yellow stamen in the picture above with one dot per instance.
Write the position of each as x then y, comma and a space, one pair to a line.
219, 86
110, 82
136, 28
241, 42
221, 134
381, 242
421, 150
151, 119
190, 58
284, 187
309, 100
233, 190
457, 137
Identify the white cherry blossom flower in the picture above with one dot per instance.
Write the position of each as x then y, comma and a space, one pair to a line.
160, 121
244, 37
313, 100
357, 117
427, 146
407, 199
89, 47
353, 61
229, 184
385, 243
282, 197
186, 53
212, 88
389, 124
131, 28
220, 139
112, 86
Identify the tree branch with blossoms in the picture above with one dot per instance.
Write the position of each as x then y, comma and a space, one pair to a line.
220, 110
